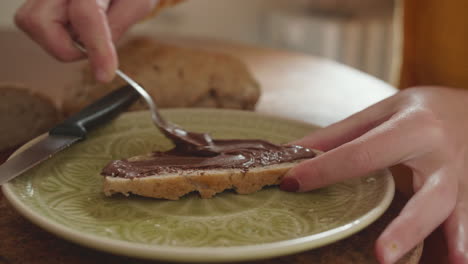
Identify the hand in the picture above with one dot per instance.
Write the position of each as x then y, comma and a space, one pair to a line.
96, 23
425, 129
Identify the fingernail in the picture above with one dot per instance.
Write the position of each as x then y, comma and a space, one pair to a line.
102, 76
289, 185
392, 253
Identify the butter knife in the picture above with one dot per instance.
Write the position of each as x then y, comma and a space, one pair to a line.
72, 130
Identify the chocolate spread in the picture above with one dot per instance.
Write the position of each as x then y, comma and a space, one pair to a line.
231, 154
196, 151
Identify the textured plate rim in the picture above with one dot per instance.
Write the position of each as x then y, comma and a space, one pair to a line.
203, 254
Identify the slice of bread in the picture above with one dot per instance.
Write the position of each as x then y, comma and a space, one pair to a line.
174, 76
23, 115
207, 183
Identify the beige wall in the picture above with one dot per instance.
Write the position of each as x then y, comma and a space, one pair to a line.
362, 43
7, 9
226, 19
238, 20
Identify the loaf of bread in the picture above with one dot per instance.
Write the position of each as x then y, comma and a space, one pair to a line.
175, 77
23, 115
207, 183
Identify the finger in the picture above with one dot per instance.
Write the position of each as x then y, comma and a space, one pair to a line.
426, 210
350, 128
88, 19
122, 14
456, 230
44, 21
366, 154
356, 158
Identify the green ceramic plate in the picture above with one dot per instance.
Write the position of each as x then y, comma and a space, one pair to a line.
63, 196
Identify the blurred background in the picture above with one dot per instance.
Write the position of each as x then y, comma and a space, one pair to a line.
359, 33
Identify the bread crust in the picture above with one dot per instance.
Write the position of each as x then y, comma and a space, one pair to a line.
206, 182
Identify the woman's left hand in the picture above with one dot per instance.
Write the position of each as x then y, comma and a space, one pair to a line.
423, 128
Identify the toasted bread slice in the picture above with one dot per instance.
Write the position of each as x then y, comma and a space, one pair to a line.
207, 183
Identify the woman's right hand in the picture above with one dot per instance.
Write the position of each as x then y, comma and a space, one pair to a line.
97, 24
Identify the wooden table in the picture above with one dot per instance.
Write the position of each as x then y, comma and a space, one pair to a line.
294, 85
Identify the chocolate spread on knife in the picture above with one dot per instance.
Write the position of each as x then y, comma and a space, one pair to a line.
196, 151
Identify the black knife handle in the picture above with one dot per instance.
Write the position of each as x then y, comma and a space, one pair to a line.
97, 113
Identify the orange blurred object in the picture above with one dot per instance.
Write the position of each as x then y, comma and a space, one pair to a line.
435, 45
164, 4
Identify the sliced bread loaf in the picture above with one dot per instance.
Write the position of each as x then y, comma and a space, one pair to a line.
23, 115
175, 76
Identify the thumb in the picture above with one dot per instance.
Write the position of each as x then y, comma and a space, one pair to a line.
88, 19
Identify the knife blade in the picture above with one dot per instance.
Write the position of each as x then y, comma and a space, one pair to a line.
71, 130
